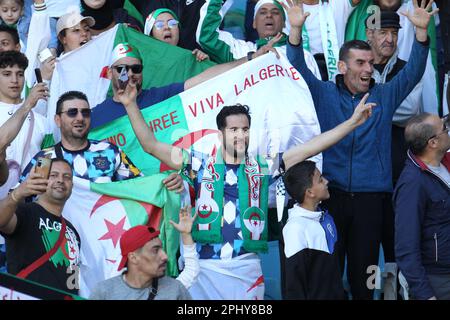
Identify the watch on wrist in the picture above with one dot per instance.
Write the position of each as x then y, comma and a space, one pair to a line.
249, 55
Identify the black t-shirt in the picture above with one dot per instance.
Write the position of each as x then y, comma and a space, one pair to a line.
36, 233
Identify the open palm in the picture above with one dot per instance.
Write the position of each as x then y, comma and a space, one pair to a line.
421, 16
296, 15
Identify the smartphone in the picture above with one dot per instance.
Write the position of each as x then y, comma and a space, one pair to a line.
44, 55
43, 167
123, 79
37, 71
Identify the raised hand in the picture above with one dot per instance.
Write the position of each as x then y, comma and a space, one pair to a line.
269, 47
128, 95
363, 111
184, 226
200, 55
34, 185
39, 91
296, 15
421, 16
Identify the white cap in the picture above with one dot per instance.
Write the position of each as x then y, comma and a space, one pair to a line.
71, 19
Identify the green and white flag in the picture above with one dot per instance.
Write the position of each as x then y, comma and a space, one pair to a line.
102, 212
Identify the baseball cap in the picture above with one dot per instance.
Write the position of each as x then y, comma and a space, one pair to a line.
133, 239
71, 19
122, 50
388, 19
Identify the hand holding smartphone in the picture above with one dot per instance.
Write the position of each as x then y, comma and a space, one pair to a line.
37, 71
123, 79
43, 167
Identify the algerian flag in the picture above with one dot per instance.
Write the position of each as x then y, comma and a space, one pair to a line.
281, 108
356, 29
84, 69
102, 212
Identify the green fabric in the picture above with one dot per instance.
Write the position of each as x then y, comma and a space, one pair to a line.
162, 10
150, 189
48, 141
218, 50
171, 110
210, 206
132, 11
264, 41
179, 64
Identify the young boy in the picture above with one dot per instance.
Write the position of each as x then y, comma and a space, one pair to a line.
311, 264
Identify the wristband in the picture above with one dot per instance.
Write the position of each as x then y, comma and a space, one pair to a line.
249, 55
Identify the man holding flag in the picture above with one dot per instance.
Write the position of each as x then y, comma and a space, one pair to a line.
231, 200
126, 66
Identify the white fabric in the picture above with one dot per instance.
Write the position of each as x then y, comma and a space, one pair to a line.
76, 71
16, 150
190, 266
341, 11
303, 231
412, 105
233, 279
406, 37
57, 8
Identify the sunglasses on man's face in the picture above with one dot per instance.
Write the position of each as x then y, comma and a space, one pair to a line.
136, 68
73, 112
159, 24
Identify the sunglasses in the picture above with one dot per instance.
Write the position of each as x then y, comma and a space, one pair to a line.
445, 126
136, 68
159, 24
73, 112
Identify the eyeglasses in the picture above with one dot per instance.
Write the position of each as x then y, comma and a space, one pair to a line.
136, 68
445, 126
73, 112
159, 24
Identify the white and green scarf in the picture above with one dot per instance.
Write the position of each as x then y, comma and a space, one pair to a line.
253, 189
329, 38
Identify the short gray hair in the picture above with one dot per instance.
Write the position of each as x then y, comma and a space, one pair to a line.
418, 132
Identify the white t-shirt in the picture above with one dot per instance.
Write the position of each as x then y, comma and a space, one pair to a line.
16, 150
341, 11
57, 8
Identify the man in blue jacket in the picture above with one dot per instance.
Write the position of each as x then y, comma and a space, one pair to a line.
422, 209
359, 167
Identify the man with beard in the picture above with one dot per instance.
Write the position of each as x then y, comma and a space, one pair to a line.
221, 46
97, 161
41, 245
231, 227
422, 208
359, 166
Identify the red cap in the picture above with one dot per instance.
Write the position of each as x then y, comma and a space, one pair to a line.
133, 239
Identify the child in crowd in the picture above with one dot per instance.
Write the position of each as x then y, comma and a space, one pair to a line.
12, 14
311, 263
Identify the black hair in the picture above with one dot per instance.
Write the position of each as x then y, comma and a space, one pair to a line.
353, 44
298, 179
12, 31
20, 2
12, 58
54, 160
221, 119
394, 8
60, 46
418, 132
70, 95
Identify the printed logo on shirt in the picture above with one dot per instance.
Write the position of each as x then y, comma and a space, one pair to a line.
188, 2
